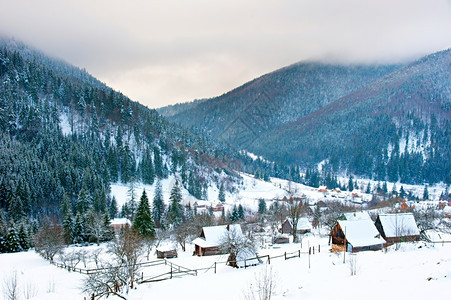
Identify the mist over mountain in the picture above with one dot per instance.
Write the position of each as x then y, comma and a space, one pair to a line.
386, 122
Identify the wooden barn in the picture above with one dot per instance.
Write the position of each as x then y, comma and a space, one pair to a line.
211, 237
355, 236
281, 239
395, 228
168, 251
303, 226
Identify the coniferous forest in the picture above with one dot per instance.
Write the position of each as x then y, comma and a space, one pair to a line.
65, 136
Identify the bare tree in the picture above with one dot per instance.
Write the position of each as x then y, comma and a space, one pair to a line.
109, 280
263, 287
69, 259
295, 205
127, 248
334, 211
235, 243
30, 290
117, 277
49, 240
11, 287
185, 233
426, 219
96, 256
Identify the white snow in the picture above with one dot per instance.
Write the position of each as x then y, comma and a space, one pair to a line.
396, 225
360, 233
357, 215
215, 234
415, 271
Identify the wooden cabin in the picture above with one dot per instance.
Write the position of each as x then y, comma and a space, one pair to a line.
281, 239
395, 228
211, 237
355, 236
166, 252
303, 226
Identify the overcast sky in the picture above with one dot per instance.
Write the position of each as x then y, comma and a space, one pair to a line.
161, 52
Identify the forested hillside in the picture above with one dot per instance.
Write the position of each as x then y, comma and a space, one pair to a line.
275, 99
397, 128
65, 136
381, 122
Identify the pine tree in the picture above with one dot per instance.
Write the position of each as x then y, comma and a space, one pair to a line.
15, 209
234, 215
158, 204
12, 243
112, 209
350, 184
175, 211
368, 188
131, 204
82, 202
221, 195
261, 206
425, 193
143, 222
147, 170
79, 231
24, 238
240, 212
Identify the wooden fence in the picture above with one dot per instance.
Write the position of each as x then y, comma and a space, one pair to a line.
177, 271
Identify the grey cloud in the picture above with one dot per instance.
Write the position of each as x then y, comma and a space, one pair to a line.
161, 52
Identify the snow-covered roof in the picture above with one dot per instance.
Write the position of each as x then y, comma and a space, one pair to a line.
361, 233
447, 210
397, 225
357, 215
304, 224
213, 235
166, 247
120, 221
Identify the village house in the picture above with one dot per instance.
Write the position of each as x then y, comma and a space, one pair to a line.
211, 237
396, 228
119, 223
355, 236
303, 226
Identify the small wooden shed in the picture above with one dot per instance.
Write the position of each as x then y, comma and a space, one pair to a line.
303, 226
168, 251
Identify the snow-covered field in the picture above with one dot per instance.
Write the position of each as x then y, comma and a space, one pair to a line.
415, 271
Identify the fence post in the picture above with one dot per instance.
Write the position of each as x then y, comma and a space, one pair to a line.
215, 267
313, 250
299, 253
309, 258
171, 271
285, 255
319, 248
269, 259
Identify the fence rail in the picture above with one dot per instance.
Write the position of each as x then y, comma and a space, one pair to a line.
177, 270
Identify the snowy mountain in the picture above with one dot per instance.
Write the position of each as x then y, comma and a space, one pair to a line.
63, 133
381, 122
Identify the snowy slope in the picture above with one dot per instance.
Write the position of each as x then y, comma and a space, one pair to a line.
415, 271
